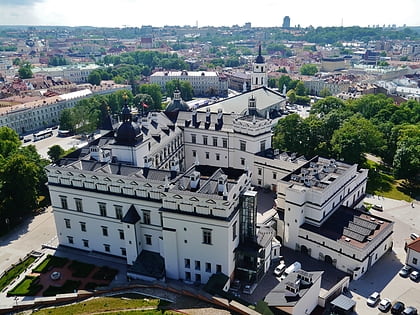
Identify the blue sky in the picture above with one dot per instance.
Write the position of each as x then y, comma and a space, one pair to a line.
216, 12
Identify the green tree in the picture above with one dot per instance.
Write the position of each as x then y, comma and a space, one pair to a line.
55, 152
155, 92
355, 137
95, 78
19, 182
407, 158
308, 69
25, 71
291, 95
285, 80
326, 105
300, 89
9, 142
67, 120
325, 92
143, 102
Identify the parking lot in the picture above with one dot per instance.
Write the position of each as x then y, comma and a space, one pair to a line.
383, 276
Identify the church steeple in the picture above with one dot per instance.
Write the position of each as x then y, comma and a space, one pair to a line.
259, 71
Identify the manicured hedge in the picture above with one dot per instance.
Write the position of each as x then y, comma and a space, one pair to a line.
27, 287
50, 262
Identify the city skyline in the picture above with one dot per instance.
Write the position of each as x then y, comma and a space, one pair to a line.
134, 13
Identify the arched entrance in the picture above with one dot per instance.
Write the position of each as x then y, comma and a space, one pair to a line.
304, 249
328, 259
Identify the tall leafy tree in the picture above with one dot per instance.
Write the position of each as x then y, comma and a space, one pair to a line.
155, 92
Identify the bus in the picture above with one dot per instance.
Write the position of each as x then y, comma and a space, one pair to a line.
43, 134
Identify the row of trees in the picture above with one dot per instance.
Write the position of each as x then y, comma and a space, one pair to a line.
348, 130
22, 178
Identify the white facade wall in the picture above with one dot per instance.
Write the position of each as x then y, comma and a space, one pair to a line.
309, 300
413, 259
346, 257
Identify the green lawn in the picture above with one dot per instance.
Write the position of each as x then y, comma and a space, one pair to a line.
107, 304
49, 263
384, 184
15, 271
27, 287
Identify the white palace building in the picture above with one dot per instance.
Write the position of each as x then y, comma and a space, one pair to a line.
175, 195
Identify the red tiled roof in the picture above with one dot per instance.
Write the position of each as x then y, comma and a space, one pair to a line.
414, 245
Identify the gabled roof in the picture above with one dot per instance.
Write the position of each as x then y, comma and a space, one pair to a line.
131, 216
414, 245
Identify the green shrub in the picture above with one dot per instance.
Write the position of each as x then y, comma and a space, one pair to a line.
50, 262
68, 287
105, 273
81, 270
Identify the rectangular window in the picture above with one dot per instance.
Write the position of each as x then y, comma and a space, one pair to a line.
193, 138
121, 232
206, 236
85, 243
67, 223
187, 276
187, 263
118, 212
79, 206
205, 140
217, 157
225, 142
63, 200
208, 267
242, 161
148, 239
414, 261
194, 153
107, 248
197, 265
215, 141
218, 268
104, 230
260, 171
207, 155
102, 209
146, 216
234, 232
123, 251
242, 145
259, 182
262, 145
70, 239
274, 175
198, 278
83, 226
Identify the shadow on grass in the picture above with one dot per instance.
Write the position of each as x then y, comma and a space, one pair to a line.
409, 188
379, 182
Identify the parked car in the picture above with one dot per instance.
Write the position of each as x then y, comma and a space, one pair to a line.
415, 275
384, 305
292, 268
414, 236
278, 271
378, 207
405, 271
373, 299
410, 310
397, 308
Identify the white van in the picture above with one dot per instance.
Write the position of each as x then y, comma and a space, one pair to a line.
292, 268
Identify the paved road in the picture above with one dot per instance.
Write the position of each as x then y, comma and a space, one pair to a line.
29, 236
383, 277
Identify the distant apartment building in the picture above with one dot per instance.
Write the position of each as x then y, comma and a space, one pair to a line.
239, 81
204, 83
333, 85
74, 73
45, 111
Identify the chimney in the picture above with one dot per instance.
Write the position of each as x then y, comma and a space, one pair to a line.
252, 105
174, 168
222, 184
292, 288
195, 181
208, 114
154, 117
194, 118
219, 116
